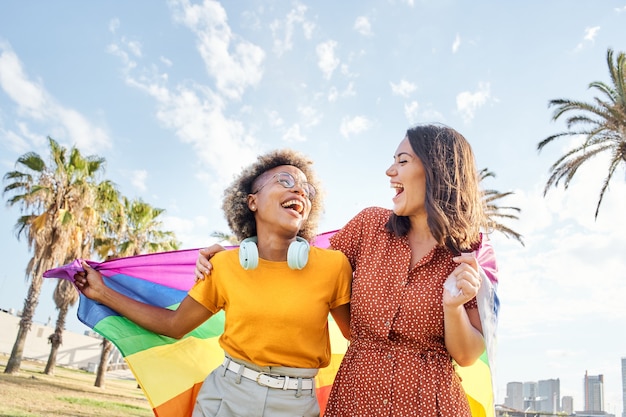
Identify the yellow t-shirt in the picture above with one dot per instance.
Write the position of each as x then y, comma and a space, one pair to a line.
276, 316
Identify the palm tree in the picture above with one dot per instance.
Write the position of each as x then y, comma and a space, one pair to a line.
601, 122
495, 212
129, 228
226, 237
143, 233
65, 296
57, 199
107, 348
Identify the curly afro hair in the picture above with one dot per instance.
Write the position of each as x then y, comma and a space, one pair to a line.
235, 205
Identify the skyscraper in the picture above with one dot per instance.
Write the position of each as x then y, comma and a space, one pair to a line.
594, 393
530, 395
567, 404
549, 396
514, 396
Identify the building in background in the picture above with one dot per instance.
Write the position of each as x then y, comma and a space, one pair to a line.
567, 404
530, 395
548, 396
514, 396
594, 393
81, 351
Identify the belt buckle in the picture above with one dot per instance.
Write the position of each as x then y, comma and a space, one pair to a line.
258, 379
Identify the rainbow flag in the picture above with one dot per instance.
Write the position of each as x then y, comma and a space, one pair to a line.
163, 279
478, 379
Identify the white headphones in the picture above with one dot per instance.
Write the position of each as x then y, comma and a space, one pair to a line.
297, 254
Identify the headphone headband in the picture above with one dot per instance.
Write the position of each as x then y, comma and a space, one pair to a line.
297, 254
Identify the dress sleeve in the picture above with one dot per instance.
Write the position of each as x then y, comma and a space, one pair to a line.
350, 238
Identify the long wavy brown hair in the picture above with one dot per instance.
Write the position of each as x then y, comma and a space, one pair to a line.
454, 203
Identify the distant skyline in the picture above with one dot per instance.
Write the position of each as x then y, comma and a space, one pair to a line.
178, 95
592, 400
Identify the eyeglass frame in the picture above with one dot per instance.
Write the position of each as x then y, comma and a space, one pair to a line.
309, 190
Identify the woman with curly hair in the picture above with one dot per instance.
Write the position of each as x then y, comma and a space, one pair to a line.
275, 289
413, 307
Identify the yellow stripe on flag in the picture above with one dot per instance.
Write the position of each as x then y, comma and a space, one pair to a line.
169, 370
476, 380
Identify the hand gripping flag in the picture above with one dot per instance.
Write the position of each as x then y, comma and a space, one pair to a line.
163, 279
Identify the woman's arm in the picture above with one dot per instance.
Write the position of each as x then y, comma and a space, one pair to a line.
173, 323
341, 315
462, 328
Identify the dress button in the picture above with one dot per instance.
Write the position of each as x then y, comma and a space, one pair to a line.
389, 356
387, 323
385, 402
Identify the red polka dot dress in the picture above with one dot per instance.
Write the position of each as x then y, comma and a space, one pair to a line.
397, 363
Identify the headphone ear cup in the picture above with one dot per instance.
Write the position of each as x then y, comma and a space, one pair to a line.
249, 253
298, 253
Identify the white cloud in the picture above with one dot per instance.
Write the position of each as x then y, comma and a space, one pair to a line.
114, 25
416, 113
35, 103
404, 88
456, 44
195, 112
334, 94
274, 119
411, 111
468, 102
588, 38
28, 95
296, 16
235, 64
293, 134
591, 33
197, 117
363, 26
138, 179
135, 48
116, 50
80, 131
327, 61
310, 116
354, 125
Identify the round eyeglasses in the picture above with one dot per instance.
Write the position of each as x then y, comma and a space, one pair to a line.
288, 181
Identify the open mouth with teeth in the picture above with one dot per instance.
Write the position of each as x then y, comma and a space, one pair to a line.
295, 205
398, 187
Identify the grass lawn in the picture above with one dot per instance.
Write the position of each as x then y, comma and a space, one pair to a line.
69, 392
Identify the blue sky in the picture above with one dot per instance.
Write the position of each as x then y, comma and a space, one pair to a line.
179, 95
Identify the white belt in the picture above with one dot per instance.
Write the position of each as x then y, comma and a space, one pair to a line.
272, 381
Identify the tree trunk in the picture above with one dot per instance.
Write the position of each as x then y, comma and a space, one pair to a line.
30, 303
56, 340
52, 358
107, 347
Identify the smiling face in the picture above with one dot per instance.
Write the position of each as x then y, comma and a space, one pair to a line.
277, 206
407, 178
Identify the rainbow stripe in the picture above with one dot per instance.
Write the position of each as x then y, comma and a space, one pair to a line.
163, 279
